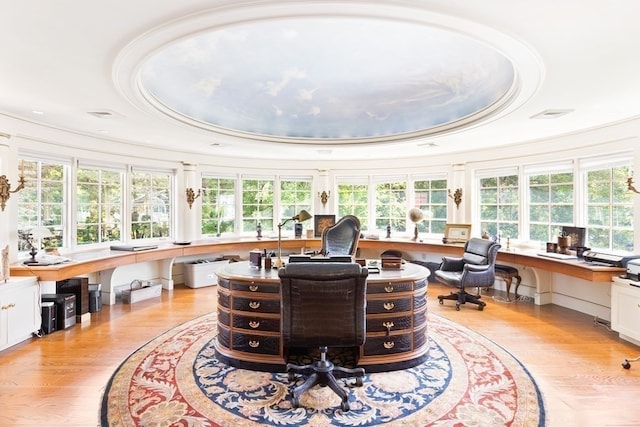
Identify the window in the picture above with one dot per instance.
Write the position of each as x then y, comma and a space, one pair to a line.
499, 203
257, 204
99, 205
150, 204
353, 199
609, 207
218, 206
551, 201
391, 206
430, 196
295, 195
42, 201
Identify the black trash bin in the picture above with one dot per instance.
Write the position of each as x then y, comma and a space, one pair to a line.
95, 297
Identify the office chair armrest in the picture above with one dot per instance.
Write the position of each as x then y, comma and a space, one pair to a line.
452, 264
475, 268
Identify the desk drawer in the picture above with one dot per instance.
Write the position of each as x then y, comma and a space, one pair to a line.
256, 343
224, 317
389, 288
420, 337
224, 337
223, 283
267, 288
390, 305
256, 305
224, 300
375, 346
388, 324
256, 323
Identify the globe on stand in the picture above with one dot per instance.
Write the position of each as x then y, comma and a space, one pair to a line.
415, 215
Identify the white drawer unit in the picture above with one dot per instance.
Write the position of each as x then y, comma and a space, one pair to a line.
625, 309
19, 310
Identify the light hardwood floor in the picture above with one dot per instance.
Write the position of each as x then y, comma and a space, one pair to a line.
58, 380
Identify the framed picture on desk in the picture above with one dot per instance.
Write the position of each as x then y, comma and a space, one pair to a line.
576, 235
457, 233
320, 222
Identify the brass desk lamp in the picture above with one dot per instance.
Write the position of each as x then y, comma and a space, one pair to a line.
302, 216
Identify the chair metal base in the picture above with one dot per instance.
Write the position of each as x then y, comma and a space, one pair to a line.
627, 362
324, 373
463, 297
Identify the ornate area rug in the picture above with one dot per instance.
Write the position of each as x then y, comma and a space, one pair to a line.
176, 380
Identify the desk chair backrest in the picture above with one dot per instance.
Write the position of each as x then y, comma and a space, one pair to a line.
323, 304
341, 238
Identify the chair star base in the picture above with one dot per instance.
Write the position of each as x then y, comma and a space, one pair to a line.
463, 297
323, 373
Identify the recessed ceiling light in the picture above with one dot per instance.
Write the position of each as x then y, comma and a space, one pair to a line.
551, 114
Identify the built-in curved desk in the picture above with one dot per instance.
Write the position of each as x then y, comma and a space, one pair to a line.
249, 332
552, 280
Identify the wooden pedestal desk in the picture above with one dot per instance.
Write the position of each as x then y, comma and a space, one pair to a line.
249, 333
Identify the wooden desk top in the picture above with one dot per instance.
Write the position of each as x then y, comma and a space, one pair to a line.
243, 271
97, 260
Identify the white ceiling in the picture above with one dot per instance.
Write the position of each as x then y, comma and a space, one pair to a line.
63, 60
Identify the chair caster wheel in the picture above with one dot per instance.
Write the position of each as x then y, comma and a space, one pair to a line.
626, 364
359, 382
440, 301
344, 406
480, 307
457, 307
295, 402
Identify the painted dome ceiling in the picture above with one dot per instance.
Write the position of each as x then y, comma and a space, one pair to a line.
320, 80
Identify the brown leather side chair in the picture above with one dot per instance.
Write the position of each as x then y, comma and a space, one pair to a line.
323, 304
341, 238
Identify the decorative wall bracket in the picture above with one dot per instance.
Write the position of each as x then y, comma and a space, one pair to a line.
631, 186
324, 196
192, 195
457, 197
5, 187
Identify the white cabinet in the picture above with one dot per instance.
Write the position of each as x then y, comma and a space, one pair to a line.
625, 309
19, 310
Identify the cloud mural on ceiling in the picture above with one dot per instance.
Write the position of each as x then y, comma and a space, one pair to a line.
321, 78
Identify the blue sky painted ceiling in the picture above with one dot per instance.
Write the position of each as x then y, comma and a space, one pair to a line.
327, 78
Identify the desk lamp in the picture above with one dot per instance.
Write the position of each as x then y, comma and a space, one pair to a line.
34, 235
302, 216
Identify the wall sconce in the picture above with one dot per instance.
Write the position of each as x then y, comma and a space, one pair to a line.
324, 196
630, 185
5, 187
192, 196
457, 197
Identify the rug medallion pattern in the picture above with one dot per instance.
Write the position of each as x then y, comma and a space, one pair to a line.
176, 380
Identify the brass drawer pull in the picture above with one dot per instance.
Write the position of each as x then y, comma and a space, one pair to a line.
253, 288
254, 304
388, 325
389, 305
389, 345
388, 289
254, 344
254, 324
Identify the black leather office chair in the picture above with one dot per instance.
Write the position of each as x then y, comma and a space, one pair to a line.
341, 238
476, 268
323, 304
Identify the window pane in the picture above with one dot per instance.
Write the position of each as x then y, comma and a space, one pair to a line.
99, 206
218, 206
150, 205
